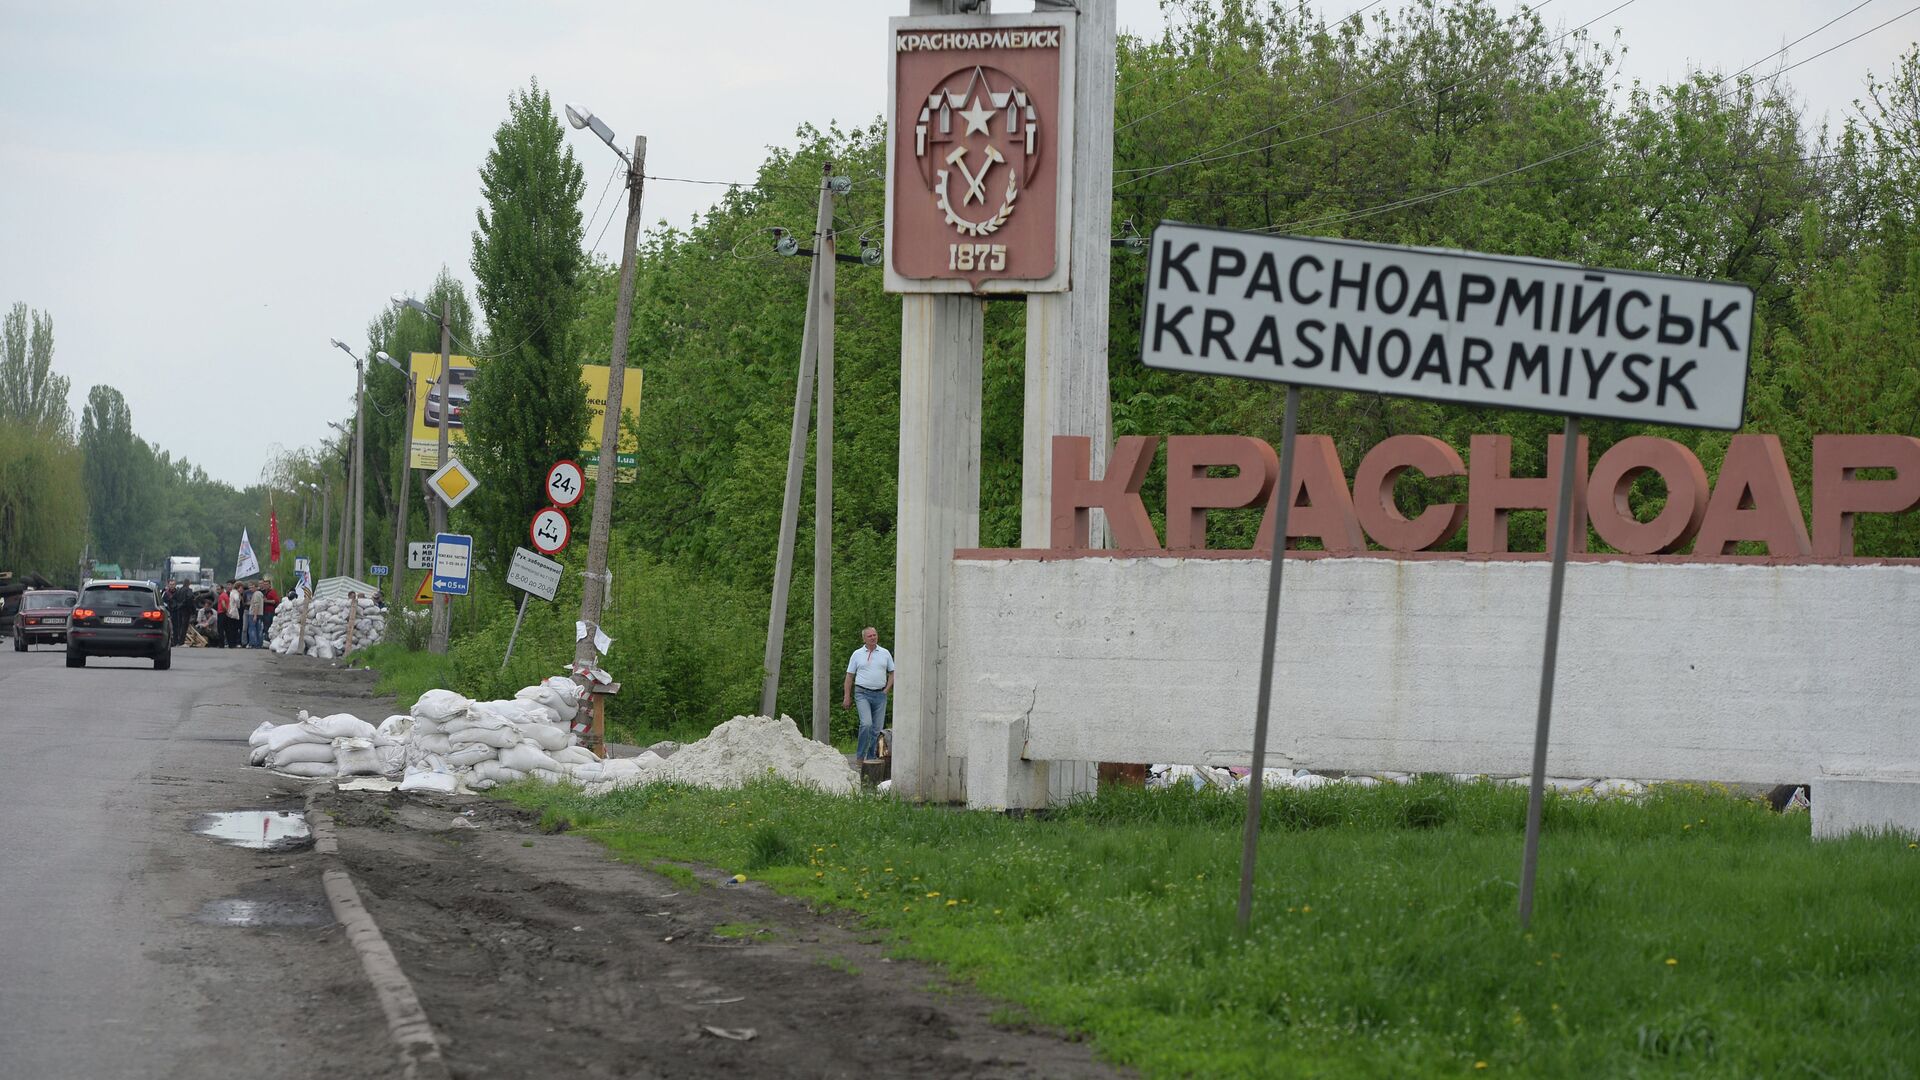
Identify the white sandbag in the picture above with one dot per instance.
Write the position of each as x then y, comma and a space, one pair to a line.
439, 706
356, 757
526, 757
574, 755
323, 651
496, 772
393, 759
423, 780
396, 726
536, 713
310, 770
498, 738
562, 707
293, 753
259, 736
547, 776
342, 726
480, 785
258, 755
514, 711
478, 717
286, 735
471, 754
547, 737
432, 744
426, 727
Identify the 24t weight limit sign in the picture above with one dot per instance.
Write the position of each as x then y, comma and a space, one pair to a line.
1448, 326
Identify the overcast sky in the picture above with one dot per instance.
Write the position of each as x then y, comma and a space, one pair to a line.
201, 194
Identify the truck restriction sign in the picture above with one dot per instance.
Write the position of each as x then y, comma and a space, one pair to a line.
550, 531
565, 482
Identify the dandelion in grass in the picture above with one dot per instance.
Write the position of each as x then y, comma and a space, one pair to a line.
931, 895
953, 903
1479, 1064
1672, 962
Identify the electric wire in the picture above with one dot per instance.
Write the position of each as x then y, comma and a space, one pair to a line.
1356, 215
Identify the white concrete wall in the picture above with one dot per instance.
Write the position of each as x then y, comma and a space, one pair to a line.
1667, 671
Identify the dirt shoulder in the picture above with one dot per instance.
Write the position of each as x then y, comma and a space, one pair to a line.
536, 950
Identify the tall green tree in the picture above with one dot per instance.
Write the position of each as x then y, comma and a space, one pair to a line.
119, 477
31, 393
528, 406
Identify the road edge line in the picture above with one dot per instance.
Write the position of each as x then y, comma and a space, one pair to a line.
407, 1021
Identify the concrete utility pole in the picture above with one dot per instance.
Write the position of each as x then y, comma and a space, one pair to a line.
1066, 371
593, 595
825, 251
810, 339
326, 506
437, 636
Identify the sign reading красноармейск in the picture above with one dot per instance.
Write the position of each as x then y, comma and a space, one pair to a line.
1449, 326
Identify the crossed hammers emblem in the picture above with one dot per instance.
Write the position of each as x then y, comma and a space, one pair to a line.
976, 184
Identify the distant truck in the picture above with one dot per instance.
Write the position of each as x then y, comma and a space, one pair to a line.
184, 569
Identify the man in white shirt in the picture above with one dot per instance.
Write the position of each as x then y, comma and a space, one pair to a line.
869, 680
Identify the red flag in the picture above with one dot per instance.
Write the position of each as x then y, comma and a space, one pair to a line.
273, 537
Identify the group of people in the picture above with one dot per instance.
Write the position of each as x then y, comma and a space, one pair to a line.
237, 615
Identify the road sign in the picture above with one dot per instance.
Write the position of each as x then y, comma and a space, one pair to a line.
1450, 326
534, 573
377, 571
565, 482
550, 531
452, 563
452, 482
424, 595
420, 556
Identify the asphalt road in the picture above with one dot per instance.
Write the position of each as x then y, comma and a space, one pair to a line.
119, 953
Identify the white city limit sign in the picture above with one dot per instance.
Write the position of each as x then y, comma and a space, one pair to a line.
1450, 326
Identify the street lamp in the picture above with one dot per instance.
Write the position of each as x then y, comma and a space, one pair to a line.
358, 494
436, 508
593, 596
396, 579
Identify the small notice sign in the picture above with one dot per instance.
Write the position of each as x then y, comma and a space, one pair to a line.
452, 563
420, 555
535, 574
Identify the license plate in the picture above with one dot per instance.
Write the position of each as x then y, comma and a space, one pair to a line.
117, 620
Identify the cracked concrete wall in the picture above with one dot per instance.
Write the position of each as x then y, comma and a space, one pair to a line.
1667, 671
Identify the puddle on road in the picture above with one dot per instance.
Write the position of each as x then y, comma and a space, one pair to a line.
266, 911
260, 830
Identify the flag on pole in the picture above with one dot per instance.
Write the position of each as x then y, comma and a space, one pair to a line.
247, 566
273, 537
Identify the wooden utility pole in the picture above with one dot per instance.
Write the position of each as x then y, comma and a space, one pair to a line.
825, 251
397, 579
600, 529
796, 464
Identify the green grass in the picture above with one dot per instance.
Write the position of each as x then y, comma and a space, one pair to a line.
404, 674
1692, 934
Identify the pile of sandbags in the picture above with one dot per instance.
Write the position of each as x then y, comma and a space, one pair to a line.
484, 743
325, 634
744, 748
326, 746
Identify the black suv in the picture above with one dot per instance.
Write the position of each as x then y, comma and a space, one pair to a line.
119, 618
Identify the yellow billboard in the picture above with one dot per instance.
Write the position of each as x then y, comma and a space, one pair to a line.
430, 412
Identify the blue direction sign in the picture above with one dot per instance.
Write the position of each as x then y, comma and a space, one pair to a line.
377, 571
452, 563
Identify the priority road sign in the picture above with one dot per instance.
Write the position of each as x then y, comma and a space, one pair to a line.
452, 563
453, 482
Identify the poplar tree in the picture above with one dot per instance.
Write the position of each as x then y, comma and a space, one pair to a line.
528, 407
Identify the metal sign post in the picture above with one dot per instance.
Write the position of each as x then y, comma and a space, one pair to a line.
1283, 491
1447, 326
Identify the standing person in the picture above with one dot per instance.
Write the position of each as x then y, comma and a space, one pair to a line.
230, 616
179, 610
256, 614
869, 679
219, 640
272, 605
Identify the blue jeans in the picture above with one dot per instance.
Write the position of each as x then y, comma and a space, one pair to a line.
255, 631
873, 720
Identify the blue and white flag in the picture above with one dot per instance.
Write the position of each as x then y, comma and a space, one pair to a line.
248, 565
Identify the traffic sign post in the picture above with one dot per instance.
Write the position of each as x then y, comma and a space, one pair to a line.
420, 556
550, 531
565, 484
453, 482
377, 571
452, 564
534, 576
1447, 326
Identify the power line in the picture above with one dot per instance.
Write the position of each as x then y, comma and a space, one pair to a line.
1346, 216
1209, 156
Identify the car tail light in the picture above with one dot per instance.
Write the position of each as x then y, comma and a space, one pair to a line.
153, 616
83, 613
